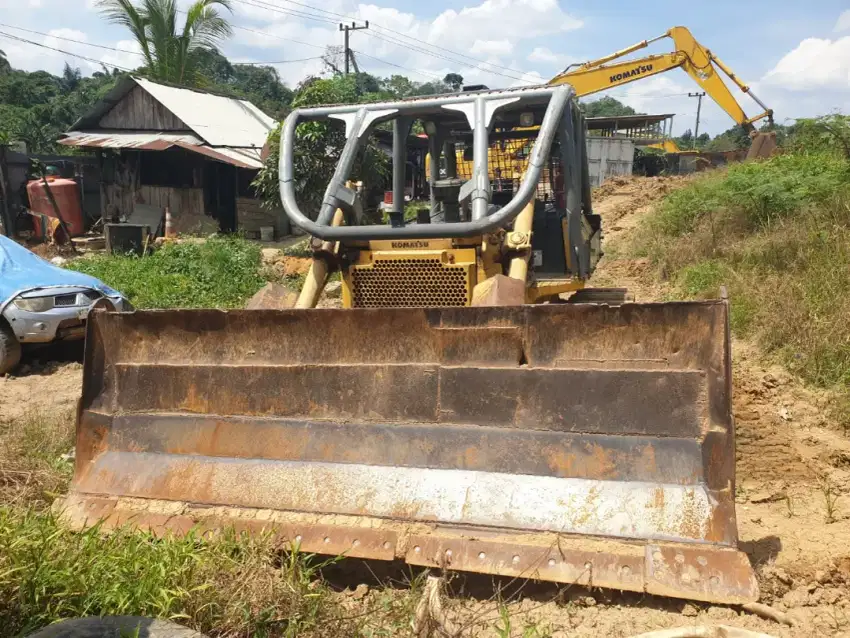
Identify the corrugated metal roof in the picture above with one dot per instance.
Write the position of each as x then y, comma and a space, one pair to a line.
220, 121
232, 128
153, 141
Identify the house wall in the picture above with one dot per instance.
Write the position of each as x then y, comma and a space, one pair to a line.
140, 111
122, 190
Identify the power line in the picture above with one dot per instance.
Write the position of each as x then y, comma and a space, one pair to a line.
478, 61
398, 66
436, 55
417, 40
277, 37
314, 57
394, 39
137, 53
59, 37
74, 55
298, 14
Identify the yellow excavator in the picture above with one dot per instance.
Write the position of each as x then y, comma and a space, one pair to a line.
472, 407
508, 160
689, 55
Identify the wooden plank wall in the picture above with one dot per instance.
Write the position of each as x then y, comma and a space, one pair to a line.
141, 112
187, 204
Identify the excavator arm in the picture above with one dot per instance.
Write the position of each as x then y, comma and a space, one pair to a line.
699, 62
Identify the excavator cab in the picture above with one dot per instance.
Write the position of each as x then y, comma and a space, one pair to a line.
452, 415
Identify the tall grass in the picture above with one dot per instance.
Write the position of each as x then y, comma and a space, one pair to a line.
777, 233
215, 273
227, 586
32, 470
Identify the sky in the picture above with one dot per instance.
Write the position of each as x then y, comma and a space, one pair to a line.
795, 55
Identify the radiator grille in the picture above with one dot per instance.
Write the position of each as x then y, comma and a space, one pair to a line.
60, 301
410, 283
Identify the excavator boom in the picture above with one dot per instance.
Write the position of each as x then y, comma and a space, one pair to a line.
689, 55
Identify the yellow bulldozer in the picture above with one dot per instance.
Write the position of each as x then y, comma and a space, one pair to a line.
472, 407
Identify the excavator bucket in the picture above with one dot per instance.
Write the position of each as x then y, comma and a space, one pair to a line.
762, 146
576, 443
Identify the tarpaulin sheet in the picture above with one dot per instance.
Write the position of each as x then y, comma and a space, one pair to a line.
21, 270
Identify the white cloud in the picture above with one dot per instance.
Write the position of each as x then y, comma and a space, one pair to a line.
816, 63
58, 38
31, 57
542, 54
488, 31
127, 55
496, 48
843, 22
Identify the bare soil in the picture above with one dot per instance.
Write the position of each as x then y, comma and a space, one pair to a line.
793, 473
53, 386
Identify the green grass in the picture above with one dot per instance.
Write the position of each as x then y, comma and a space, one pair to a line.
230, 585
31, 469
760, 194
777, 235
214, 273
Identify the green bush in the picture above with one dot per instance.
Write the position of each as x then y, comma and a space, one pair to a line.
758, 193
213, 273
703, 279
777, 234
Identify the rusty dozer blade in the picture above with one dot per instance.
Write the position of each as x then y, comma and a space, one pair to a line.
565, 442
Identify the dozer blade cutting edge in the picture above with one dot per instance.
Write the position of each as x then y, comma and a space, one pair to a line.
563, 442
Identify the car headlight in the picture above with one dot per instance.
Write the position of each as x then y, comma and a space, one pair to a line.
34, 304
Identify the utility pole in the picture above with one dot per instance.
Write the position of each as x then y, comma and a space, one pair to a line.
349, 54
699, 97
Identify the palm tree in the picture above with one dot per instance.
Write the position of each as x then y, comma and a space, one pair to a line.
169, 51
5, 67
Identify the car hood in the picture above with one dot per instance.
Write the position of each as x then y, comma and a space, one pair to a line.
21, 270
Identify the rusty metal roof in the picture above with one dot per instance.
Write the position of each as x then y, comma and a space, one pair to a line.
154, 141
223, 128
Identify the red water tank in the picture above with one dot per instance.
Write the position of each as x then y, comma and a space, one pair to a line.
66, 192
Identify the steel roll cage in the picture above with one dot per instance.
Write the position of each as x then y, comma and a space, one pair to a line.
477, 107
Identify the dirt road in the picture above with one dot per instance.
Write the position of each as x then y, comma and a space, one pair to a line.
791, 463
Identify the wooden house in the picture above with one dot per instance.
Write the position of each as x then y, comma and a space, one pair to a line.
192, 151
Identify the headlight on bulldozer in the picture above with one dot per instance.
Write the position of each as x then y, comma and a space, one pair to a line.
35, 304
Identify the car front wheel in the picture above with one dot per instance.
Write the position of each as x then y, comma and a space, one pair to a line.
10, 348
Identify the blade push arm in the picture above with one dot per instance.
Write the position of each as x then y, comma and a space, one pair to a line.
699, 62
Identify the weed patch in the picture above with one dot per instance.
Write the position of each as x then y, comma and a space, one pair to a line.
777, 235
215, 273
230, 585
31, 468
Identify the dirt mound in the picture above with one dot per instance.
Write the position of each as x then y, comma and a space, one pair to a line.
621, 196
285, 265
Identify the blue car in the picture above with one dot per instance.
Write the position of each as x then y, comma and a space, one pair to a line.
42, 303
